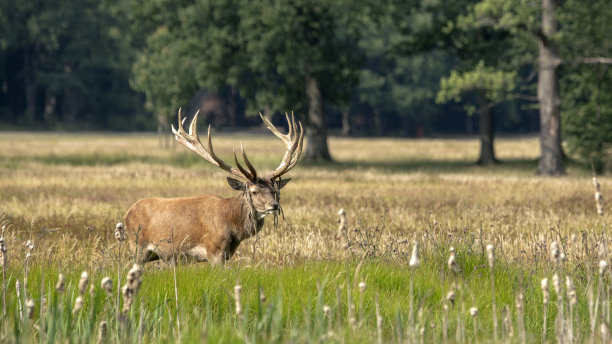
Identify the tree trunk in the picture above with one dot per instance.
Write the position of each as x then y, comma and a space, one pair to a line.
549, 98
346, 122
29, 85
487, 151
316, 130
49, 112
160, 130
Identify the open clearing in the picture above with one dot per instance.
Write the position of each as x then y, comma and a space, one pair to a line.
66, 192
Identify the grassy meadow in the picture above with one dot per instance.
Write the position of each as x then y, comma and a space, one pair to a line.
307, 280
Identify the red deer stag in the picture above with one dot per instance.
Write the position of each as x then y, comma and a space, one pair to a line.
208, 227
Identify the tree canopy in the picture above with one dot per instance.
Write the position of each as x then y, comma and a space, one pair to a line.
416, 67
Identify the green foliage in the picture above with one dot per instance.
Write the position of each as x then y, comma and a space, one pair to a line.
496, 84
265, 56
588, 114
391, 82
68, 62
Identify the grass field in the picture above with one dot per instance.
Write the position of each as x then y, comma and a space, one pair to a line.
66, 192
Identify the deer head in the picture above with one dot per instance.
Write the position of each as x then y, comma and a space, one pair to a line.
261, 192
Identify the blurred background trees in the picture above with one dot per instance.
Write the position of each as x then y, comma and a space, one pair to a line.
392, 68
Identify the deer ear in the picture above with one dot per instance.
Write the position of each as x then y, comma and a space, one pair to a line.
236, 184
283, 182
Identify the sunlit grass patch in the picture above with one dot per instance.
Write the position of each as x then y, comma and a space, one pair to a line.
66, 193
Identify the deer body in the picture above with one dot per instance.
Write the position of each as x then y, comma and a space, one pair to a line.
209, 227
206, 227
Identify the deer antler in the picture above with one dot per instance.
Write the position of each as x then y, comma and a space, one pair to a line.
293, 141
192, 141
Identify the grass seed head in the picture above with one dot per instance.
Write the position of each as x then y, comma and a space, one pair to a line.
237, 290
262, 295
599, 201
133, 278
60, 283
556, 284
341, 222
415, 258
120, 232
603, 267
130, 289
450, 296
571, 291
474, 312
83, 282
520, 300
362, 287
602, 251
491, 255
29, 308
107, 286
555, 253
102, 332
3, 255
78, 304
604, 329
326, 311
452, 262
545, 292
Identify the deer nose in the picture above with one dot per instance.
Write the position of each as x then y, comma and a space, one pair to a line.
274, 206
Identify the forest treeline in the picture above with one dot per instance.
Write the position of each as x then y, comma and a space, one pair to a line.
408, 68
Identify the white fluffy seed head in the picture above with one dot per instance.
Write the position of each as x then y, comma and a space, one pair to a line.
237, 290
491, 255
545, 292
598, 197
556, 284
450, 296
602, 251
60, 283
520, 299
120, 232
571, 291
362, 287
102, 332
3, 255
83, 282
603, 267
29, 308
415, 258
326, 310
452, 262
473, 312
555, 253
78, 304
107, 286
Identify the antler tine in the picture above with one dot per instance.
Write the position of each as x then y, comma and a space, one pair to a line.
296, 157
290, 124
292, 141
192, 141
193, 127
245, 172
248, 163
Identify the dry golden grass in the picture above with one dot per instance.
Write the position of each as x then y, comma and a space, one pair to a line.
79, 186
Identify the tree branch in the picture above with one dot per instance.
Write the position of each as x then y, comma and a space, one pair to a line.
525, 97
589, 60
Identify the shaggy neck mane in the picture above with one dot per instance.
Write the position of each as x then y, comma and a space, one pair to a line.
244, 219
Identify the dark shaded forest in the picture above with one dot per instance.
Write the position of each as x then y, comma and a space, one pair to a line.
355, 68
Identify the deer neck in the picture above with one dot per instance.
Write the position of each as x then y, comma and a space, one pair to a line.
248, 223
